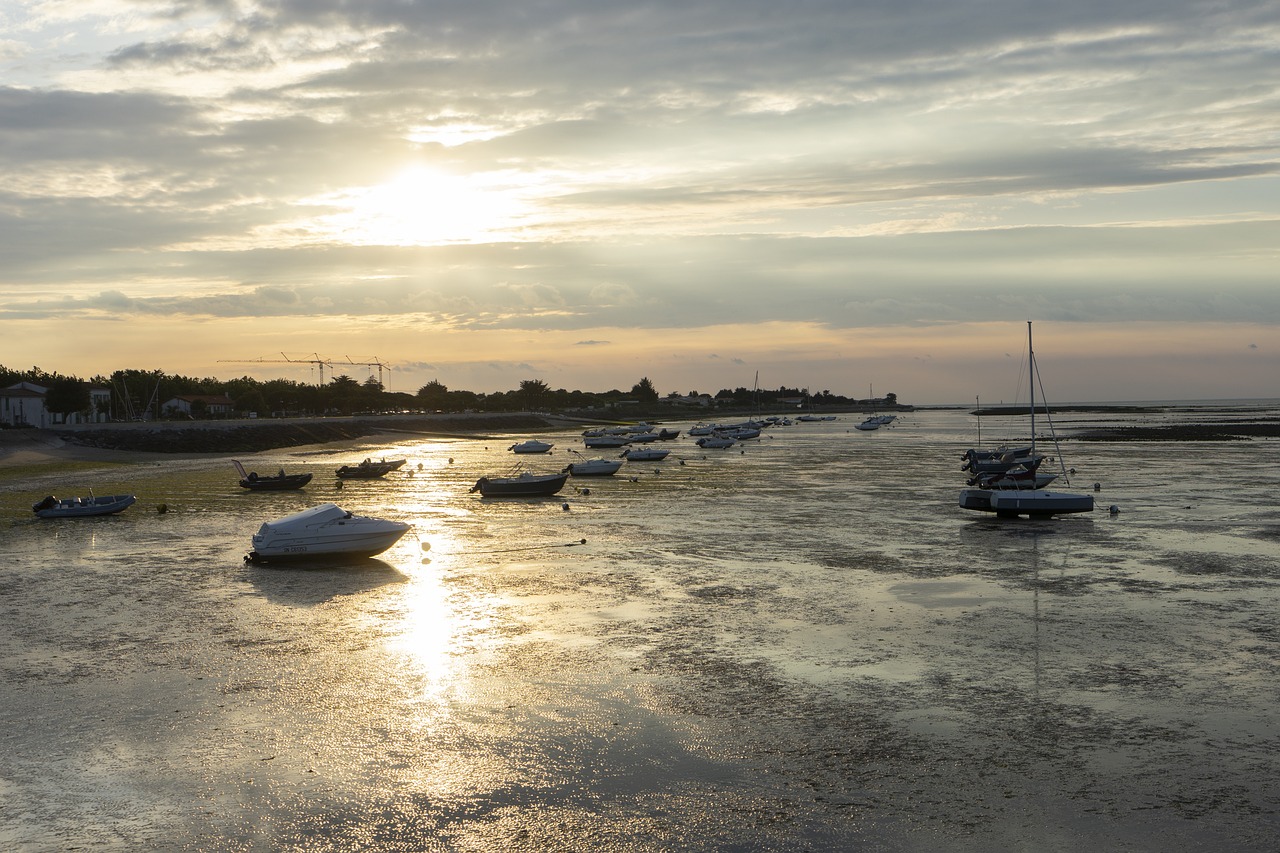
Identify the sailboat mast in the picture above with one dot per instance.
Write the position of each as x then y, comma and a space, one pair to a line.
1031, 374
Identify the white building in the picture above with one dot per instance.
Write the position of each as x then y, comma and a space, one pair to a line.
24, 405
213, 405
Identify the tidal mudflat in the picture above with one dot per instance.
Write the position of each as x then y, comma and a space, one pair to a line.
803, 644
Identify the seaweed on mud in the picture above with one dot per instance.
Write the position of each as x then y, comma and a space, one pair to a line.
722, 592
1268, 534
1140, 585
867, 561
1225, 565
1103, 676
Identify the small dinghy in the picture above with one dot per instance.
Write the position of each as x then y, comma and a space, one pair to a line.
52, 507
255, 482
369, 470
526, 485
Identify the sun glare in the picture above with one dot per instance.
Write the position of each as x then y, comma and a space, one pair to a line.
422, 207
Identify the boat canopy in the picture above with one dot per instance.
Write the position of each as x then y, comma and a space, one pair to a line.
320, 514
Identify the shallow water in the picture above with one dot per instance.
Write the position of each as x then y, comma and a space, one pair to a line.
800, 644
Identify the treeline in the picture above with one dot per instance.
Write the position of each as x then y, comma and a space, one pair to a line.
143, 393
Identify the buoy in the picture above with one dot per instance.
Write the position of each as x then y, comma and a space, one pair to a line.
586, 491
1114, 510
1097, 487
565, 506
420, 465
450, 460
338, 485
162, 509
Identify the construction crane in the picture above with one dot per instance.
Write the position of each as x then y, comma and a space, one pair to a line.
317, 361
378, 363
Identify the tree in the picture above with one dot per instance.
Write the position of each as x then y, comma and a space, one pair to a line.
532, 391
344, 392
644, 391
433, 395
66, 396
253, 400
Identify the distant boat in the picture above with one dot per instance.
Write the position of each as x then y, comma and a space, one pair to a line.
594, 467
325, 531
716, 442
1034, 502
668, 434
646, 454
525, 485
531, 446
52, 507
368, 469
276, 483
606, 441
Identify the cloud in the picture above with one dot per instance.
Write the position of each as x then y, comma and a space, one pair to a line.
671, 166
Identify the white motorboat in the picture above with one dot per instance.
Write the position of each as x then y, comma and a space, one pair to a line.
646, 454
531, 446
594, 467
716, 442
326, 531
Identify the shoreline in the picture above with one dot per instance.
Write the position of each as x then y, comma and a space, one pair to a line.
118, 443
132, 442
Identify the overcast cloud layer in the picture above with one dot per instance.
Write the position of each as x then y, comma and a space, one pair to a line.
522, 190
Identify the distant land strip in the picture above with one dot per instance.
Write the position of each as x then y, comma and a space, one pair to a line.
254, 436
1221, 431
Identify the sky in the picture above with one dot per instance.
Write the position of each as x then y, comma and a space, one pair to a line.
836, 195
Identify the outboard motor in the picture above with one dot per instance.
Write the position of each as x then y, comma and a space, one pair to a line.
48, 503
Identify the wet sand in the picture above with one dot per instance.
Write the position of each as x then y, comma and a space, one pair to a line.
781, 649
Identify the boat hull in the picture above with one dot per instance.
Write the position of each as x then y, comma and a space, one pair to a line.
275, 484
1034, 503
598, 441
324, 532
646, 455
595, 468
520, 487
363, 472
51, 507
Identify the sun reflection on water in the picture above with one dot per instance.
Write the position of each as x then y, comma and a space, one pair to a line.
437, 623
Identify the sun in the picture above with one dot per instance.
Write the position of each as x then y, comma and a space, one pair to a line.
421, 207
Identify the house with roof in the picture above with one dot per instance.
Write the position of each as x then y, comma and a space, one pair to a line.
199, 405
22, 407
25, 404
